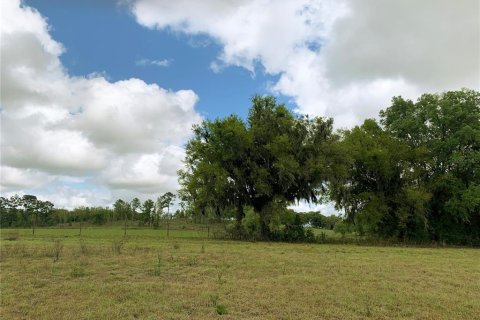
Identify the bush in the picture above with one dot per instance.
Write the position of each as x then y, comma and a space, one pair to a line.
251, 225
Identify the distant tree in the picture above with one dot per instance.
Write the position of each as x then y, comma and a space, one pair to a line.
166, 200
148, 210
30, 206
44, 212
135, 205
8, 213
122, 209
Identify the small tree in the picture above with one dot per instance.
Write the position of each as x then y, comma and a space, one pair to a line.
135, 206
166, 200
30, 205
121, 209
148, 210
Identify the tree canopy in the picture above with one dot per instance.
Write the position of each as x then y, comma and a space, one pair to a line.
415, 175
273, 159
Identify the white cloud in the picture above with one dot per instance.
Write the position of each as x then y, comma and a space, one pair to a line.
336, 58
57, 130
13, 178
64, 196
157, 63
132, 116
148, 173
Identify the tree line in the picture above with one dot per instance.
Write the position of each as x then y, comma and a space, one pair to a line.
411, 176
29, 211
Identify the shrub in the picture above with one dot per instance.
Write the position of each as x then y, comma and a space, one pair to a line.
251, 225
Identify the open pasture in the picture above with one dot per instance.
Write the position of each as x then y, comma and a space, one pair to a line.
57, 274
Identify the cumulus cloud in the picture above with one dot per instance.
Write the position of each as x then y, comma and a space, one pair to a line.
344, 59
58, 129
13, 178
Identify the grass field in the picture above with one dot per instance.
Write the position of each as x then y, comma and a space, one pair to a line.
59, 275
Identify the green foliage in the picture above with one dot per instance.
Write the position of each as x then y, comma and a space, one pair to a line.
25, 211
148, 211
251, 225
273, 159
442, 132
373, 190
416, 177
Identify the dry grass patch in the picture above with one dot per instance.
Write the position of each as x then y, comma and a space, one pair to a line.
177, 278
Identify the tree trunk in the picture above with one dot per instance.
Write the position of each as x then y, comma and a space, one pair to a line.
259, 207
33, 224
240, 214
264, 229
125, 228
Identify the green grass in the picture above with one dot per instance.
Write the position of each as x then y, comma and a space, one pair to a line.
190, 276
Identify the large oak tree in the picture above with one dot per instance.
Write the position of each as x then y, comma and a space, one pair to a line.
273, 159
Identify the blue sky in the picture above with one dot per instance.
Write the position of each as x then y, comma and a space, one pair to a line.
98, 97
106, 38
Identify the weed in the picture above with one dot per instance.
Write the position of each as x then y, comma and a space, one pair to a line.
57, 249
192, 261
220, 279
78, 270
157, 268
83, 247
211, 300
221, 309
368, 306
176, 245
117, 246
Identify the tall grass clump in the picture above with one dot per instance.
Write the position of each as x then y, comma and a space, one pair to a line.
83, 247
117, 246
78, 270
157, 268
57, 249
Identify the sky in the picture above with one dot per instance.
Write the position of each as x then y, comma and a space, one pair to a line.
98, 97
